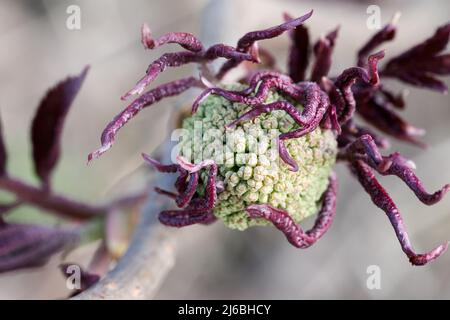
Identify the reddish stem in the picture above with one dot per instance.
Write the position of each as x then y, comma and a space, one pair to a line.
43, 199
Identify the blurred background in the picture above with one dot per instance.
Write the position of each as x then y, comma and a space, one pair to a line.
213, 262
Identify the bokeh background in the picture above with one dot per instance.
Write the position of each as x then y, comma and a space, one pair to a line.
37, 50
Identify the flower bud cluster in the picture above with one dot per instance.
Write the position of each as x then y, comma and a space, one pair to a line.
249, 165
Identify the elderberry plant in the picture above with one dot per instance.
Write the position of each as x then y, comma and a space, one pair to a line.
247, 182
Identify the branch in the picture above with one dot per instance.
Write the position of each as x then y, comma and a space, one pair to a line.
150, 256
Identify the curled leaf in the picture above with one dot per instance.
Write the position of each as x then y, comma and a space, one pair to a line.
147, 99
186, 40
177, 59
48, 123
248, 41
250, 38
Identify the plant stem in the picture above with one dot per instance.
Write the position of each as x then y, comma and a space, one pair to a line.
47, 200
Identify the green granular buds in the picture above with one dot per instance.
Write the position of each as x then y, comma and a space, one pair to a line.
248, 161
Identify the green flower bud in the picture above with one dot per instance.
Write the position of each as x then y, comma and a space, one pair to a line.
249, 166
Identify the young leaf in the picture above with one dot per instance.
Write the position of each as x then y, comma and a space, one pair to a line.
420, 65
26, 246
299, 52
387, 33
323, 49
380, 114
48, 124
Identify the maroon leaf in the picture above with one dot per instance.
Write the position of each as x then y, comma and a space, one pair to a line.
187, 40
248, 41
299, 52
381, 115
323, 49
387, 33
397, 100
420, 65
431, 46
48, 124
177, 59
3, 154
250, 38
27, 246
421, 79
165, 90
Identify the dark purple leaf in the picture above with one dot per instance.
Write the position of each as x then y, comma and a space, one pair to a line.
246, 43
381, 115
397, 100
354, 81
27, 246
387, 33
420, 65
381, 199
292, 230
323, 49
147, 99
186, 40
438, 65
299, 52
177, 59
430, 47
250, 38
420, 79
48, 124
